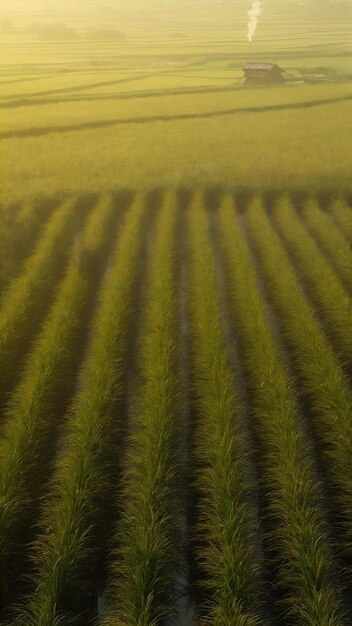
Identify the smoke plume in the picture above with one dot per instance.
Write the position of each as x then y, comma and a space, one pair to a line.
253, 14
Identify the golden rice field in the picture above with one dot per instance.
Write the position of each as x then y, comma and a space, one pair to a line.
176, 410
165, 106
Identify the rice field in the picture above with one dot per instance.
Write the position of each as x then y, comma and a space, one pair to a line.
175, 316
176, 415
164, 104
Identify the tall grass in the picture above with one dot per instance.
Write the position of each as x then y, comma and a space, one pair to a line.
25, 446
226, 519
332, 241
320, 374
25, 298
68, 545
147, 538
324, 288
297, 530
342, 214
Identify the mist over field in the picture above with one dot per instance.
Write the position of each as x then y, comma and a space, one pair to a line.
175, 312
112, 53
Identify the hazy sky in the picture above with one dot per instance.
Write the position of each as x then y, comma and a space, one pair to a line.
87, 4
47, 6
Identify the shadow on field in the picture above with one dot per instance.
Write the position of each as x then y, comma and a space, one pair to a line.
77, 88
130, 95
45, 130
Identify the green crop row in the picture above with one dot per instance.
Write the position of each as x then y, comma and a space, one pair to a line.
24, 300
325, 289
226, 517
342, 214
332, 241
320, 373
147, 538
79, 488
33, 408
296, 526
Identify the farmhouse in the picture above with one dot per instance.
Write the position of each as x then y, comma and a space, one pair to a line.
257, 73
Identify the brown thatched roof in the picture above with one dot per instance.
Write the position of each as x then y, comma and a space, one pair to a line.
257, 65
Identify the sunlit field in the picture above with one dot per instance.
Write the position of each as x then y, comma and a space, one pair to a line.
175, 316
165, 105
